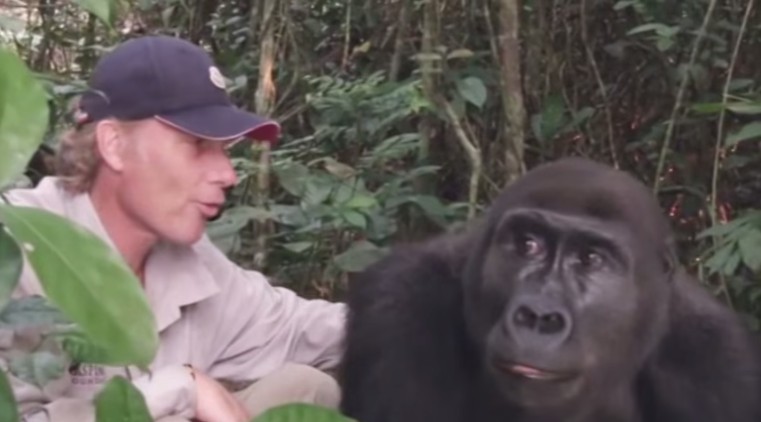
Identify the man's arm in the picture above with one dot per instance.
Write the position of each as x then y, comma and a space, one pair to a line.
264, 326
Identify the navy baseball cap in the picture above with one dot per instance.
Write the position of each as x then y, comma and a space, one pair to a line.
174, 81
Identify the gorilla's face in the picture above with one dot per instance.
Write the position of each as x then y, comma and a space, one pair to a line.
563, 300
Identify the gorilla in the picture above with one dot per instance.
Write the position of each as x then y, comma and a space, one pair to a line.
566, 303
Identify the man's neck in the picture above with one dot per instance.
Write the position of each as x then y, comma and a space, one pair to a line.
130, 238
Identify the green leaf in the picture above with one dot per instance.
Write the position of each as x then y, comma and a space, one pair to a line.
318, 189
431, 206
301, 412
552, 118
749, 131
31, 311
86, 281
11, 264
717, 262
659, 28
292, 177
460, 53
707, 108
745, 107
81, 349
103, 9
355, 219
37, 368
121, 400
473, 90
361, 201
223, 232
739, 84
750, 249
298, 247
8, 410
23, 116
338, 169
358, 256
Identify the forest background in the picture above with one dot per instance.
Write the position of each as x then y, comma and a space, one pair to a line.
404, 118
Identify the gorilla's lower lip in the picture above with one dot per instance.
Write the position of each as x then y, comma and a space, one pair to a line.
531, 372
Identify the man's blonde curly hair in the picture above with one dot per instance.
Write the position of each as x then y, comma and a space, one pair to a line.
77, 160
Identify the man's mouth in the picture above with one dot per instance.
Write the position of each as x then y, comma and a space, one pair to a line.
209, 210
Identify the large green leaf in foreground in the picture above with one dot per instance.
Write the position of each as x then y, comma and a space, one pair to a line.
89, 282
8, 410
300, 412
23, 116
120, 400
11, 265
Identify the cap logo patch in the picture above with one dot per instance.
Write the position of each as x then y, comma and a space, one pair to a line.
216, 77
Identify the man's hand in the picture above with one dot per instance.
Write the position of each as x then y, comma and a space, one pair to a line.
215, 403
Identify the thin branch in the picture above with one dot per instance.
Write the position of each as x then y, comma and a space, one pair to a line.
718, 150
473, 153
680, 95
600, 83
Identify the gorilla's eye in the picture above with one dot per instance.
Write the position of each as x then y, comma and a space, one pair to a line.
528, 245
590, 259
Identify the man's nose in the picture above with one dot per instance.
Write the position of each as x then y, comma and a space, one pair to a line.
223, 172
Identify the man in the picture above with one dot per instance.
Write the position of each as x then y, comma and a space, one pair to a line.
145, 168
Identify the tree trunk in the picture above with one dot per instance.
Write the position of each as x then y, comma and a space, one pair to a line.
511, 86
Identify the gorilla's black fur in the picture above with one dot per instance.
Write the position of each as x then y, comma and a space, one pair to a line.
564, 304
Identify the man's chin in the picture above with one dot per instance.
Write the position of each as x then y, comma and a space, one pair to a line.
187, 237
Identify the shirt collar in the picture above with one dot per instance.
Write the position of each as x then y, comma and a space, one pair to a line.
175, 276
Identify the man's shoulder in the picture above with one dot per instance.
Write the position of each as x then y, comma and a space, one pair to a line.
47, 194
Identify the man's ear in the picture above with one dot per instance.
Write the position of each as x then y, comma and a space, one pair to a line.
109, 139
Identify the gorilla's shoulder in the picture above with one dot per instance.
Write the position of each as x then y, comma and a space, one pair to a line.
410, 276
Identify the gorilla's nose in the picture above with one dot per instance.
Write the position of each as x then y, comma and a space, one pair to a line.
538, 320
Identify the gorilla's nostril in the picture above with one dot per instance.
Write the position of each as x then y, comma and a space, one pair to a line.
551, 323
525, 317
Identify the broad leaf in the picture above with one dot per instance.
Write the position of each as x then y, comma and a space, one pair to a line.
473, 90
361, 201
38, 368
745, 107
90, 283
11, 264
23, 116
223, 232
460, 53
355, 219
750, 249
31, 311
82, 349
292, 177
749, 131
122, 401
8, 410
318, 188
359, 256
301, 412
298, 247
103, 9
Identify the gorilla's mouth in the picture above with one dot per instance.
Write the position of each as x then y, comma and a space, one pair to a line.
531, 372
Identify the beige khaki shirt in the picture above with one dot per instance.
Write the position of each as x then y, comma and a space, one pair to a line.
226, 321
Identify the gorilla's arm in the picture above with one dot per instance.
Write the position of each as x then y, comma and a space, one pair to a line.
706, 368
404, 359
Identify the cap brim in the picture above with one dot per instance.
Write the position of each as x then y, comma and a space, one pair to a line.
223, 123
